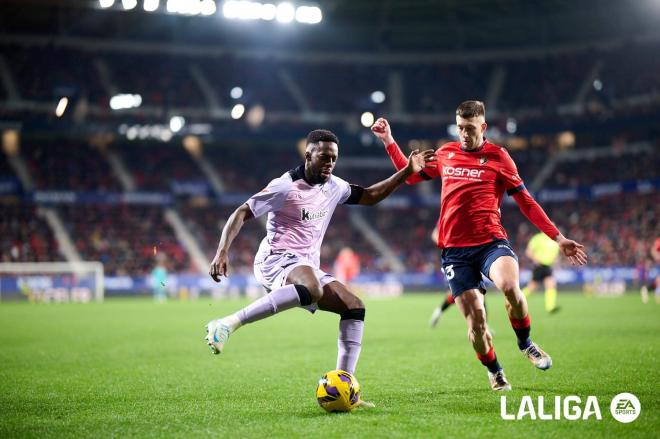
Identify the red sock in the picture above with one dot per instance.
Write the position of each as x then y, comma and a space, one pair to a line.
522, 328
488, 357
523, 323
490, 360
450, 299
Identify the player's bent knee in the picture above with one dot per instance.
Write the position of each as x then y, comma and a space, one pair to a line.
509, 288
316, 292
308, 295
354, 302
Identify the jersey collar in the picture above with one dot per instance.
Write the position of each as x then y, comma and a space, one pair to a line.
298, 173
476, 149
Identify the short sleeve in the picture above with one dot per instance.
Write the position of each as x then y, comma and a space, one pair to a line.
509, 174
344, 189
271, 198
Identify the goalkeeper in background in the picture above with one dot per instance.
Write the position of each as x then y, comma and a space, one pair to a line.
543, 251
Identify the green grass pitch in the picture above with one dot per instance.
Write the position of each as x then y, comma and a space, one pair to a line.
133, 368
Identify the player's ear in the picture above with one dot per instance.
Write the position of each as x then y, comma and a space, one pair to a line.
484, 126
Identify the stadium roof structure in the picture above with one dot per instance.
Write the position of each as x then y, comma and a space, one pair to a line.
385, 26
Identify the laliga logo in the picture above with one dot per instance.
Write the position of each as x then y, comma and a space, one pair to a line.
625, 408
569, 408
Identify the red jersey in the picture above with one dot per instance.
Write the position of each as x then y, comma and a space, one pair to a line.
473, 185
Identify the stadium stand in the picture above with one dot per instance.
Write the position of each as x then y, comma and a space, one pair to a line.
25, 236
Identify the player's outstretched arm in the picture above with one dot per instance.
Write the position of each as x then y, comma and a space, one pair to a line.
381, 129
379, 191
573, 250
229, 232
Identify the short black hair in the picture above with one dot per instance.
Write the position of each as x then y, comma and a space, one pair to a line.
470, 109
317, 136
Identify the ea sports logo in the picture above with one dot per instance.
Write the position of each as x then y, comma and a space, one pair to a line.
625, 407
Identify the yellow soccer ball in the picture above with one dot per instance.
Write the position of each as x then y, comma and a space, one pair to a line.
338, 391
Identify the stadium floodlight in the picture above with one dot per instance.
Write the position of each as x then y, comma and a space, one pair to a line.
185, 7
285, 12
230, 9
125, 101
452, 130
208, 7
268, 12
511, 125
177, 123
61, 106
106, 3
377, 97
129, 4
237, 111
598, 84
190, 7
308, 15
132, 132
367, 119
236, 92
150, 5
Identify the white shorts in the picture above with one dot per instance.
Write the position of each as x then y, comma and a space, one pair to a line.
273, 270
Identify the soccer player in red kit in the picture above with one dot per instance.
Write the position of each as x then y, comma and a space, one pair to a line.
475, 175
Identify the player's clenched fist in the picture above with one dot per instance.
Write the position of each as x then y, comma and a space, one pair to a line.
219, 266
381, 128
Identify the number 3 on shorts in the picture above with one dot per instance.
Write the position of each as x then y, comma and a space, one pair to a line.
449, 272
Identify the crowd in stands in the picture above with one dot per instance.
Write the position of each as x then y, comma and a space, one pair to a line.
65, 164
249, 170
590, 171
25, 236
45, 74
126, 238
154, 168
617, 230
162, 81
206, 224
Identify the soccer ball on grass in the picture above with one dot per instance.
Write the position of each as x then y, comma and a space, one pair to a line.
338, 391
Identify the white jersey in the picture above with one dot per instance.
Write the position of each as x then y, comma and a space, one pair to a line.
298, 214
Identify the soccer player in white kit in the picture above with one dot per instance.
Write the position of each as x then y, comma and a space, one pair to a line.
299, 205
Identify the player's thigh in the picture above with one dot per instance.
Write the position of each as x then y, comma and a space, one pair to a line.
504, 274
461, 274
471, 305
306, 276
338, 299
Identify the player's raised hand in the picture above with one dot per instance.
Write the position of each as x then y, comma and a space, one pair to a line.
219, 266
418, 160
573, 250
381, 129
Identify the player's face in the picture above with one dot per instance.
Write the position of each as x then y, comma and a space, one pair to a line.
471, 131
322, 160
